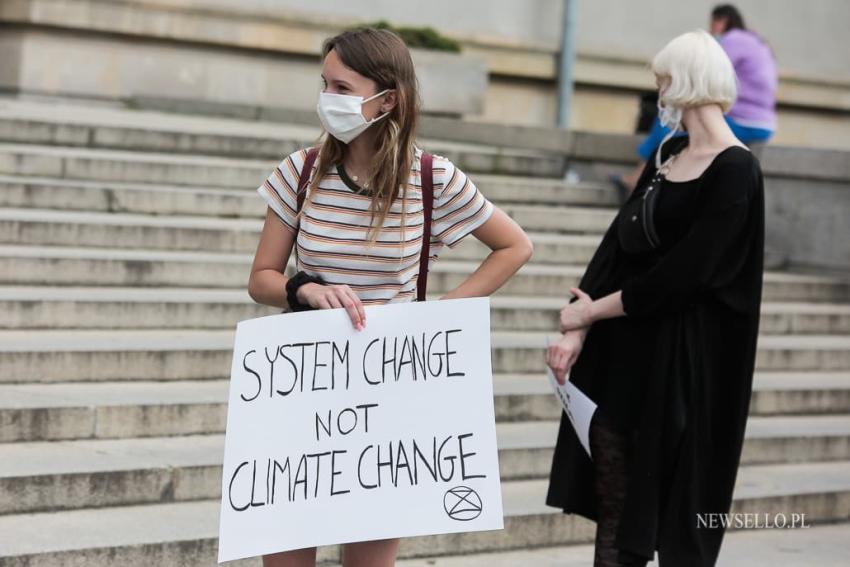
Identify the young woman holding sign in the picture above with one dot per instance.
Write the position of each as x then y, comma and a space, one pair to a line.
368, 212
662, 332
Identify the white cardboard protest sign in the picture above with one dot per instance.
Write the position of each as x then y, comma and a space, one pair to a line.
336, 435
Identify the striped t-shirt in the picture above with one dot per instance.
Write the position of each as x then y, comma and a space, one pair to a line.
333, 239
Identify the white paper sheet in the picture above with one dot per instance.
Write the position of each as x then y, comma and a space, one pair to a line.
578, 407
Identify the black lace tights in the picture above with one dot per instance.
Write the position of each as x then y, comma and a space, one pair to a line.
609, 449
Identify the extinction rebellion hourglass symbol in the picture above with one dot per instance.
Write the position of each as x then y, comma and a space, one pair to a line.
462, 503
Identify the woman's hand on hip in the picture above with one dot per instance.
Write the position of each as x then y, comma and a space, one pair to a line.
561, 356
321, 296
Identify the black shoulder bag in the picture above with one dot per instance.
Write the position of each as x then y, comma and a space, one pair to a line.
636, 222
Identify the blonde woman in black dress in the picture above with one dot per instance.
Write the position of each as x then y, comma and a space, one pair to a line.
662, 332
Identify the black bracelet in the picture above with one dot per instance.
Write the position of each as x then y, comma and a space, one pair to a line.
292, 286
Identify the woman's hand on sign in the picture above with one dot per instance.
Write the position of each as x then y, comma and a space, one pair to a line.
321, 296
577, 315
561, 356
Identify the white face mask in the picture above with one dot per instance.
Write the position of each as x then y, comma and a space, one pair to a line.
342, 115
670, 117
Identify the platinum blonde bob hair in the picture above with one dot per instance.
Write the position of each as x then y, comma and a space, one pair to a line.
696, 70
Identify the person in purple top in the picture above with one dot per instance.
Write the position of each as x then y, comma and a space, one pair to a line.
755, 67
753, 116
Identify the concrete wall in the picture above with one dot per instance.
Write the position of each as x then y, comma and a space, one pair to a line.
808, 37
236, 51
616, 38
121, 51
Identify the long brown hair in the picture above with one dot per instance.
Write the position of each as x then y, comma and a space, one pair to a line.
382, 56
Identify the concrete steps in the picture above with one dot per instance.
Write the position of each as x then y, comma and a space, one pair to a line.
84, 127
520, 352
111, 472
224, 171
825, 545
67, 265
104, 410
526, 397
38, 192
72, 124
135, 409
137, 535
120, 165
185, 354
543, 314
43, 307
114, 358
45, 227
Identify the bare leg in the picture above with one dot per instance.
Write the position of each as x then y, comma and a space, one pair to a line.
296, 558
378, 553
609, 450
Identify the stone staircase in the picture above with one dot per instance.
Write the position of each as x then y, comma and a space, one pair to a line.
125, 243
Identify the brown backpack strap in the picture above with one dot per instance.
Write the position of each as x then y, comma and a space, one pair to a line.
427, 178
301, 193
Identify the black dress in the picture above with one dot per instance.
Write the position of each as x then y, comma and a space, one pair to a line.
674, 374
